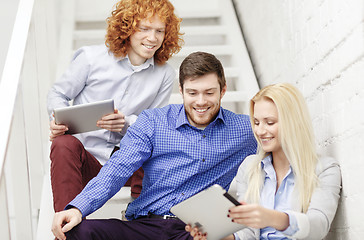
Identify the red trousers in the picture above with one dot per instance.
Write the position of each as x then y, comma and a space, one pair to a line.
72, 167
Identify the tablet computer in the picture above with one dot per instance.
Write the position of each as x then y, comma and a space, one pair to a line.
83, 117
208, 210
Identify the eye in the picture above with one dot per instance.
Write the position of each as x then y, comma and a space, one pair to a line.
143, 29
160, 31
256, 123
270, 123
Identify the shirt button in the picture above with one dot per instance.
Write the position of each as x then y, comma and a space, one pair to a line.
204, 136
182, 194
126, 92
203, 160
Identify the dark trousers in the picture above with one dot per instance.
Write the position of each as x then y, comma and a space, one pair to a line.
140, 229
72, 167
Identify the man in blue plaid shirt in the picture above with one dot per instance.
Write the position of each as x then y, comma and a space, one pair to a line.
183, 150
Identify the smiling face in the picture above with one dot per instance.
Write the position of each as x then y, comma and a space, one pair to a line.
202, 99
266, 125
147, 40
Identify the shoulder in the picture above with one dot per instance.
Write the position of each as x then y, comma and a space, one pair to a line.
92, 52
165, 69
247, 163
327, 163
328, 171
159, 119
237, 124
232, 118
167, 112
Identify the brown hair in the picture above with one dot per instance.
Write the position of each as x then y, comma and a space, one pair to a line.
124, 21
201, 63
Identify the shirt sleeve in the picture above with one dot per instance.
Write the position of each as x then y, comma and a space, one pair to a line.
135, 148
293, 227
246, 234
161, 99
165, 89
70, 83
315, 224
241, 177
242, 185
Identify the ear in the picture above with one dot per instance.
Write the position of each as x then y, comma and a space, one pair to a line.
223, 91
180, 90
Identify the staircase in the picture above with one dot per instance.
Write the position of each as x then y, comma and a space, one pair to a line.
208, 25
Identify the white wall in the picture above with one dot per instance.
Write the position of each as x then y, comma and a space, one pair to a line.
319, 47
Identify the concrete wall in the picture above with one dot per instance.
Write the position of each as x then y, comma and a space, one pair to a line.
318, 45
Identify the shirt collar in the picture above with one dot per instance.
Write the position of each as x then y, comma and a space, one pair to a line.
145, 65
267, 166
182, 118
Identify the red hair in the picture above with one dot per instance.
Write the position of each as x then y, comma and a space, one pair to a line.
124, 21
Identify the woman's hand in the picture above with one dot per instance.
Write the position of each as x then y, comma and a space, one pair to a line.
113, 122
256, 216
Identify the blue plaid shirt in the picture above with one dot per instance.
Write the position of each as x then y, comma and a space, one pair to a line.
178, 159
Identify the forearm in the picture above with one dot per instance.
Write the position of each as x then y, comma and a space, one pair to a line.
279, 220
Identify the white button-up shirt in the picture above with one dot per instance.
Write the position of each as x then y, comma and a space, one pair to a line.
95, 75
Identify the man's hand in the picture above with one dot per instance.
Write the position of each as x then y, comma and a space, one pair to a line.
56, 130
64, 221
195, 233
114, 122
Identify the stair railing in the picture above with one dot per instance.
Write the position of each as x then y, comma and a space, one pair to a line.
24, 82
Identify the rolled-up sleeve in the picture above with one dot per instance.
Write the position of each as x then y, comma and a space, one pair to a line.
315, 224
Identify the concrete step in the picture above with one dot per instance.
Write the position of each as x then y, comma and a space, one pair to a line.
216, 50
185, 15
188, 31
230, 72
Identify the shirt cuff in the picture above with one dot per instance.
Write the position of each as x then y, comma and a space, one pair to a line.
78, 203
129, 120
236, 236
293, 226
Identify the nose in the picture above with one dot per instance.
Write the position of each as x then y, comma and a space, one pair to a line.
152, 36
259, 129
200, 100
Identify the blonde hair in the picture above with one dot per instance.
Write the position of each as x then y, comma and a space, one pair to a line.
296, 137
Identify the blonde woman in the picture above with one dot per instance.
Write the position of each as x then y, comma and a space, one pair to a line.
286, 190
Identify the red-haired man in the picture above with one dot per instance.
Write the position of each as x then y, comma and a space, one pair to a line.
130, 68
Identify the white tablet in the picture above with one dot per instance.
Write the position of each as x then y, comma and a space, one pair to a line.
208, 210
83, 117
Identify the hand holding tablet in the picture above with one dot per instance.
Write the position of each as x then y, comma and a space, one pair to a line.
208, 211
83, 117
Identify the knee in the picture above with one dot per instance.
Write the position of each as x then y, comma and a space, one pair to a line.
65, 145
81, 231
66, 142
